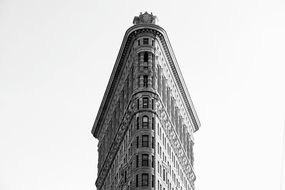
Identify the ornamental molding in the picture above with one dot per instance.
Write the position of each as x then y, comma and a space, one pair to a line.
130, 35
114, 148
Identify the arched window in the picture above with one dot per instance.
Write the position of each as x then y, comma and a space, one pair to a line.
145, 122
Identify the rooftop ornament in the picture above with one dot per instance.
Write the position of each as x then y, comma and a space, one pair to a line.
145, 18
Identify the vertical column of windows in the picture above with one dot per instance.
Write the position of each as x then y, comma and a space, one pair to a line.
164, 90
154, 74
159, 79
150, 79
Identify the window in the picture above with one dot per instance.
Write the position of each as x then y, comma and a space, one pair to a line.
139, 42
144, 159
152, 104
137, 142
137, 161
138, 122
152, 123
137, 180
145, 102
145, 41
144, 179
145, 81
145, 141
145, 57
145, 122
152, 142
152, 161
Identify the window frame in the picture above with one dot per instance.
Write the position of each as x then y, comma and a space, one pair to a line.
145, 140
145, 179
145, 123
145, 160
145, 101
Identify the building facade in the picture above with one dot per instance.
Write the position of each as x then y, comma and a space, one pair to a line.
146, 120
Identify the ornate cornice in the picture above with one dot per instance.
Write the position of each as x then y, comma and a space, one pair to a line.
130, 34
164, 118
114, 147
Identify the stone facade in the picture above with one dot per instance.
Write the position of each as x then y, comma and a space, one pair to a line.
146, 120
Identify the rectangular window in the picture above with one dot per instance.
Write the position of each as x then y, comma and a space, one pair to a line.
145, 81
152, 161
145, 41
145, 102
152, 123
139, 42
144, 179
152, 104
138, 122
137, 161
152, 142
137, 142
145, 141
137, 180
145, 160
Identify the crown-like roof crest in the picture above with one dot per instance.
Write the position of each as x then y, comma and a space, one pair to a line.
145, 18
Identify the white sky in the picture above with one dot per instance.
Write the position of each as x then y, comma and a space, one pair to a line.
56, 58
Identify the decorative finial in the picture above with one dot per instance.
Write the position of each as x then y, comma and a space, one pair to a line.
145, 18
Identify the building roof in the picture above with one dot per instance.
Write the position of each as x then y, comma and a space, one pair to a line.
144, 22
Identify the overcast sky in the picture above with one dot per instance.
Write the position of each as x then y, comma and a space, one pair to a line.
56, 58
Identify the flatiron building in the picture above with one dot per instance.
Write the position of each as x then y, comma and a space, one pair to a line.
146, 120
